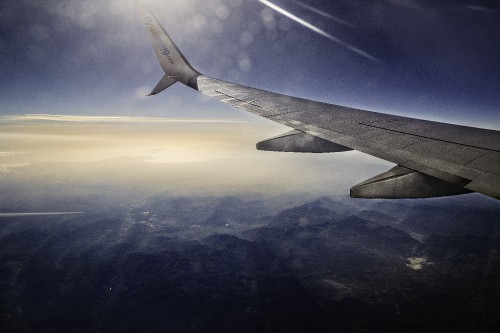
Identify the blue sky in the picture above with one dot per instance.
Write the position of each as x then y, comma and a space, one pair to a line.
439, 60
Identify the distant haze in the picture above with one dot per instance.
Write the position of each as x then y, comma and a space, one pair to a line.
49, 155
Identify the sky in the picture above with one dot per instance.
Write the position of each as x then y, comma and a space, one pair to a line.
439, 60
74, 75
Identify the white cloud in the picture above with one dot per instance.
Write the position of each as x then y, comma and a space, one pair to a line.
417, 263
141, 93
6, 168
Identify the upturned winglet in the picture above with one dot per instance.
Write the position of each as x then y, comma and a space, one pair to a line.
174, 64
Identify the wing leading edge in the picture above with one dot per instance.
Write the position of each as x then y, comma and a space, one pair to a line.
433, 159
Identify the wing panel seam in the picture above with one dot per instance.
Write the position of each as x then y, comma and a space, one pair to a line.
429, 138
238, 99
475, 159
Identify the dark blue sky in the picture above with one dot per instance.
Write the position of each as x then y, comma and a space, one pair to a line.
440, 60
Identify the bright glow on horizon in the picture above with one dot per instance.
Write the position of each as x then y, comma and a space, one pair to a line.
100, 138
142, 156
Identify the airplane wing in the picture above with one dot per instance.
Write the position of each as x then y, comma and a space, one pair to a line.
432, 159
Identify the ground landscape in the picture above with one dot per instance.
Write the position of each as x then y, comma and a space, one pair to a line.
281, 264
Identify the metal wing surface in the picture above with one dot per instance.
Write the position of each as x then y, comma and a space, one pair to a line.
432, 158
465, 156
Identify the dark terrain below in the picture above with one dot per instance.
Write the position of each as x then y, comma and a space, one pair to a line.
231, 264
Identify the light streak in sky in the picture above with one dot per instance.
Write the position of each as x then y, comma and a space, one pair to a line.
37, 214
110, 119
480, 9
319, 31
322, 13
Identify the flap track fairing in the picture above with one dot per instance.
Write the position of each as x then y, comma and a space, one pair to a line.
401, 183
300, 142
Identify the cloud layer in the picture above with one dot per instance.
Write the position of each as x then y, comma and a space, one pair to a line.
150, 155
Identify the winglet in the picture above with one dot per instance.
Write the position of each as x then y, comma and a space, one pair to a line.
174, 64
164, 83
